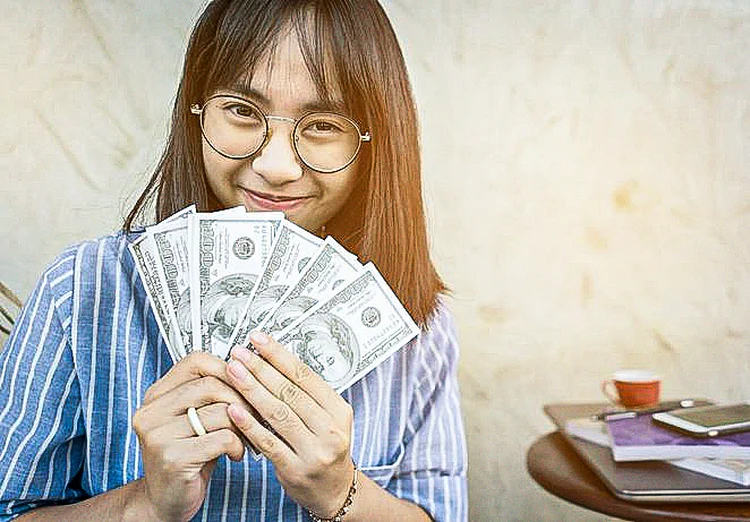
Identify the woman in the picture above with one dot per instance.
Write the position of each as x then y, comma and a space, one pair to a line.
94, 424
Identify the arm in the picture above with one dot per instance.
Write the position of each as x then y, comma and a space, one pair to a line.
432, 467
41, 433
81, 328
177, 463
310, 436
126, 503
130, 503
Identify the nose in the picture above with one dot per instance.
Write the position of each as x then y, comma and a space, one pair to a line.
276, 161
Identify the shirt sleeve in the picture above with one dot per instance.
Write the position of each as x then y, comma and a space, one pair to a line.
432, 471
41, 429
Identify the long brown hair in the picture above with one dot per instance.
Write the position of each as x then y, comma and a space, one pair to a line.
349, 45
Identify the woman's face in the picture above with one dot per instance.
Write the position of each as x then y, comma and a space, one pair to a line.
275, 179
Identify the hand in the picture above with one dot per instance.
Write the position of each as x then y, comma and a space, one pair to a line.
177, 464
310, 424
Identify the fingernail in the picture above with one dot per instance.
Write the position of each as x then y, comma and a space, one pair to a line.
258, 338
238, 413
237, 369
241, 353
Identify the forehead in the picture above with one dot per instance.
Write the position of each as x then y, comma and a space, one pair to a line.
286, 74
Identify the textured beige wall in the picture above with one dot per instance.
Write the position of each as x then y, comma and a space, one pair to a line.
585, 180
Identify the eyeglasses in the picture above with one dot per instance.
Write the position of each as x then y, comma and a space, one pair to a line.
236, 128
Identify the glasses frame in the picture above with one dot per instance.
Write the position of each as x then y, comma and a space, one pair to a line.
199, 111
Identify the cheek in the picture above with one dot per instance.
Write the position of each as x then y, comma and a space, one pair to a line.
217, 171
209, 164
211, 161
339, 189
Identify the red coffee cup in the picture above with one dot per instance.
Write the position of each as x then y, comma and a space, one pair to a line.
633, 388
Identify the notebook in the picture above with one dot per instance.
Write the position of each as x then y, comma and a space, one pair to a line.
734, 470
639, 438
649, 481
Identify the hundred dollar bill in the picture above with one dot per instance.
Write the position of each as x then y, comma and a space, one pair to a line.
147, 263
345, 337
173, 252
227, 255
233, 211
292, 250
328, 270
143, 251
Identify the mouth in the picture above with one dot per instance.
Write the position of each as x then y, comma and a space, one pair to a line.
265, 201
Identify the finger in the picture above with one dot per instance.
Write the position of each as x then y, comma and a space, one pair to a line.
217, 443
168, 440
199, 450
194, 366
276, 413
263, 439
278, 384
196, 393
296, 371
213, 417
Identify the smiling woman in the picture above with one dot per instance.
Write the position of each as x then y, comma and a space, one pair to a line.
300, 106
305, 57
277, 172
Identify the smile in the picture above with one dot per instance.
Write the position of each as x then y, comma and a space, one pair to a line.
264, 201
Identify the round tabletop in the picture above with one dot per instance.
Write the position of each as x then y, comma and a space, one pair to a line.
555, 466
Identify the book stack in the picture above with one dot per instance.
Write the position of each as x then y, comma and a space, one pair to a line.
640, 439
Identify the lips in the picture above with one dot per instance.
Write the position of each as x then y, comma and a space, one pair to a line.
266, 201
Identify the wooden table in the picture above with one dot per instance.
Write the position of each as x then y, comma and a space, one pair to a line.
555, 466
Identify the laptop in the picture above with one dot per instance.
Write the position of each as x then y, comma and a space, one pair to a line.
647, 481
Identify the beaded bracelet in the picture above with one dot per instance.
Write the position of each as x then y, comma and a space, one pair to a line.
345, 508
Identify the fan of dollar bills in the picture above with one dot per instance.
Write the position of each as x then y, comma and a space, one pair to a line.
212, 278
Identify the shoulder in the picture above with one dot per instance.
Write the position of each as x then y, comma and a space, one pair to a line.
88, 254
437, 343
441, 327
442, 319
102, 250
94, 262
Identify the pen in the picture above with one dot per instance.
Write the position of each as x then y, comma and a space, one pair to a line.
662, 406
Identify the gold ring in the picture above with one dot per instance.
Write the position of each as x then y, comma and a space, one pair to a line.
195, 422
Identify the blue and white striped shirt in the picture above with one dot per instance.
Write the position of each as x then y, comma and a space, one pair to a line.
85, 349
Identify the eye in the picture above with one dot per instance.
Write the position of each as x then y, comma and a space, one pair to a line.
243, 111
237, 112
323, 125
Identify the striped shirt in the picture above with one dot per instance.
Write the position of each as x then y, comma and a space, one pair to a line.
85, 349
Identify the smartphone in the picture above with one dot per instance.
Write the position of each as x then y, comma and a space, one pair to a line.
707, 421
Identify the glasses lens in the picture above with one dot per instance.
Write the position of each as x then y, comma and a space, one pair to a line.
326, 142
233, 126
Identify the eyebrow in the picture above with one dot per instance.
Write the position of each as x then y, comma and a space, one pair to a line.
318, 105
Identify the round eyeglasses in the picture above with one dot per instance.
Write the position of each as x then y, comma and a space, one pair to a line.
236, 128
